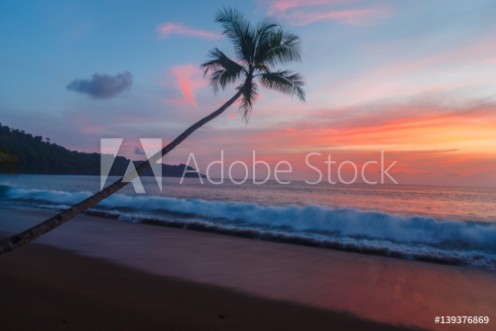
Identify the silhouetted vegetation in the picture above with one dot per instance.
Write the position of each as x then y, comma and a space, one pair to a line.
21, 152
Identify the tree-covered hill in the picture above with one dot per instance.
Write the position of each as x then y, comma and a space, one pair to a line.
21, 152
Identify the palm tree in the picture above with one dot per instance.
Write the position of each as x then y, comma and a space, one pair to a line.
258, 50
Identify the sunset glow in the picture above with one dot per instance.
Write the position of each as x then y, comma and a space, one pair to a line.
399, 77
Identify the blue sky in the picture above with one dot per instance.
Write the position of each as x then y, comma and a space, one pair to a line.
368, 64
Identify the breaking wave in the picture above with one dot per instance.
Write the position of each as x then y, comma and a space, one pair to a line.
414, 236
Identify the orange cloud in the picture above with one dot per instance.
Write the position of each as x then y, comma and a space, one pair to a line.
432, 143
406, 127
167, 29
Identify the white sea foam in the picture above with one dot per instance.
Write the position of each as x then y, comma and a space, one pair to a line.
406, 235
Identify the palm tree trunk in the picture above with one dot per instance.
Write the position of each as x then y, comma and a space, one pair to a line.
13, 242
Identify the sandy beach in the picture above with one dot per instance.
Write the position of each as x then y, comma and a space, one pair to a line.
111, 275
44, 288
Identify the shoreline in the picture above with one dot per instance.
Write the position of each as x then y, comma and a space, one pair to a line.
297, 240
294, 240
387, 290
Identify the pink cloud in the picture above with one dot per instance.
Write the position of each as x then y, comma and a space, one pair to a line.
429, 74
187, 79
350, 16
92, 129
85, 123
167, 29
491, 61
282, 6
300, 12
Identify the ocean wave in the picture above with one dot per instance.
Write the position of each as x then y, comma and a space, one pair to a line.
416, 236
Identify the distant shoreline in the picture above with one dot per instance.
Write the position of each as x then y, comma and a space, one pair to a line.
71, 174
23, 153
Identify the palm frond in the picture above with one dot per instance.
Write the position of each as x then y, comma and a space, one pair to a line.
223, 70
285, 82
250, 93
280, 47
263, 32
239, 30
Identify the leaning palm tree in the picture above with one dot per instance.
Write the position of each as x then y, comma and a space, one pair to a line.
259, 49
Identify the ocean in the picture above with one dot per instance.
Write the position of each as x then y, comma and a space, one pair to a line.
452, 225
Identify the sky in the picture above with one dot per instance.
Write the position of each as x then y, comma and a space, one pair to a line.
414, 79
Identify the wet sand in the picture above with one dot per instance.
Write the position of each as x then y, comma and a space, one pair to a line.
45, 288
316, 280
